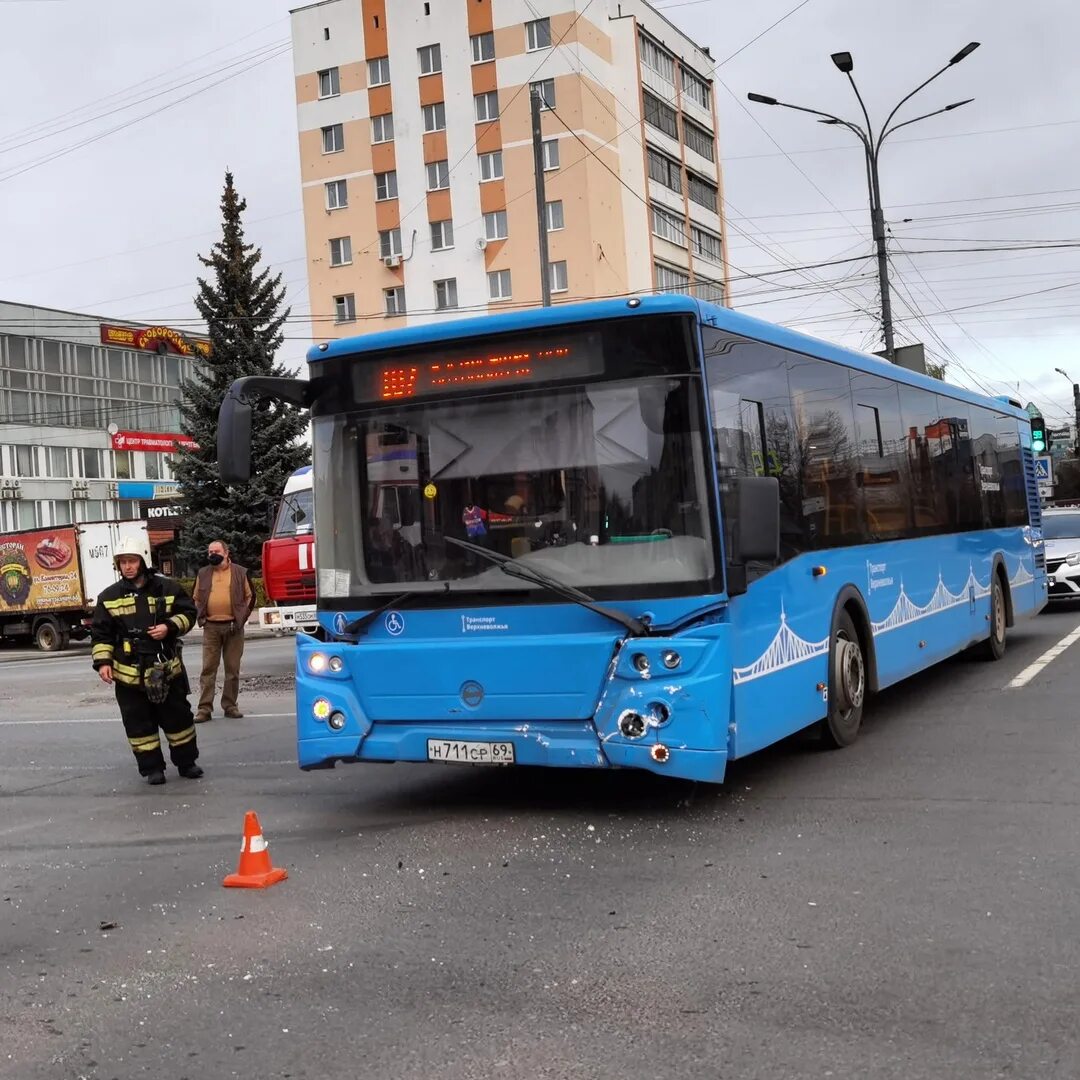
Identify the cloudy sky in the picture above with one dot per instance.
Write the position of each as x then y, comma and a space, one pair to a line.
119, 118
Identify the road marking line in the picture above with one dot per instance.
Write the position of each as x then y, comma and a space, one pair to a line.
116, 719
1047, 657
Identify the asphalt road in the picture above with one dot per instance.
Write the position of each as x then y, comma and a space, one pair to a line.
904, 908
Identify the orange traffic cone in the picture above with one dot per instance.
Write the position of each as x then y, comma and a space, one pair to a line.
255, 870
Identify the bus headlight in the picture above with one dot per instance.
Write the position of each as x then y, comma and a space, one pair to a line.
336, 721
317, 663
321, 709
641, 663
336, 663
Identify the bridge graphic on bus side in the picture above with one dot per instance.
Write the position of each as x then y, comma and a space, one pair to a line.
788, 649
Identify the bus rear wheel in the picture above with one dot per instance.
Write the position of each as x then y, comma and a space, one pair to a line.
847, 685
994, 646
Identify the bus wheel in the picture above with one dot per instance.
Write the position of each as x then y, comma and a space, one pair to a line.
994, 647
847, 686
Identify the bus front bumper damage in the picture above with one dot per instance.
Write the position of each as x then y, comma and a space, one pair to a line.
659, 709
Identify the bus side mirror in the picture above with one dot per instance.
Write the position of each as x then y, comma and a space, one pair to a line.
234, 437
756, 532
234, 418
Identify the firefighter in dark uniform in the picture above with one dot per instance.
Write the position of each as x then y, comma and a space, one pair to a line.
136, 634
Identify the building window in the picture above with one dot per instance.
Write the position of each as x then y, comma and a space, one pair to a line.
394, 300
702, 192
345, 308
665, 170
333, 139
446, 294
92, 464
341, 251
378, 71
123, 464
487, 106
668, 226
329, 83
386, 185
389, 243
438, 175
550, 148
483, 47
695, 88
656, 58
435, 117
430, 59
669, 279
553, 215
547, 92
710, 291
57, 462
661, 116
337, 195
62, 512
382, 128
442, 235
700, 140
495, 225
152, 466
538, 34
491, 166
557, 276
499, 285
706, 245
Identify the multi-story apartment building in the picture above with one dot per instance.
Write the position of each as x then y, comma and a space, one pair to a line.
88, 419
417, 160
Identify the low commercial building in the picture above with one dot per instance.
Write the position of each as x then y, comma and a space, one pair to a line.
89, 419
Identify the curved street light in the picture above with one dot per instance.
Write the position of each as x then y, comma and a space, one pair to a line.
872, 144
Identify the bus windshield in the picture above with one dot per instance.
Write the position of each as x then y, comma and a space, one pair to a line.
599, 485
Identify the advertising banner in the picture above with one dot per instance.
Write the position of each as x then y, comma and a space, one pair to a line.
39, 571
154, 442
152, 339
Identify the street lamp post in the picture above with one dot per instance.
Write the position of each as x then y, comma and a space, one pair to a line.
872, 144
1076, 408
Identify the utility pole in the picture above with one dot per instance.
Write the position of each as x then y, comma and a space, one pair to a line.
1076, 409
872, 142
537, 101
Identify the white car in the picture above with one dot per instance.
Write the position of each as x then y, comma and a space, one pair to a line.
1061, 532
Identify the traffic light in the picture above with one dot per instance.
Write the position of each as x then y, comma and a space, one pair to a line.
1040, 435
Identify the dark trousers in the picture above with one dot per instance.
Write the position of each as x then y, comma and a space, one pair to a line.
142, 718
221, 642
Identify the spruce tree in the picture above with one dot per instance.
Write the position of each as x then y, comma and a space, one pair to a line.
241, 304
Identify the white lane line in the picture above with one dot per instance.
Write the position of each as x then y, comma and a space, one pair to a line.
116, 719
1047, 657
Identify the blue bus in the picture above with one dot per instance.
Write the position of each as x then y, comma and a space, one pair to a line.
647, 533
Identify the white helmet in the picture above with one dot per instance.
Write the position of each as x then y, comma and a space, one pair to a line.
131, 545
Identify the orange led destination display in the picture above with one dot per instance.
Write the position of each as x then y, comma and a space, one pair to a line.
474, 369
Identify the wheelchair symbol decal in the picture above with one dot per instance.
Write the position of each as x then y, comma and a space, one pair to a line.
394, 623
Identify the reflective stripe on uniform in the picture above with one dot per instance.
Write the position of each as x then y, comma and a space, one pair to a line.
122, 605
101, 652
181, 622
145, 743
178, 738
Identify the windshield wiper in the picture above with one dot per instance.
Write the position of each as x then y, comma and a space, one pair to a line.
512, 568
365, 620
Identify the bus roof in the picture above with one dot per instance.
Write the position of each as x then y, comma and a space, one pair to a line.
628, 308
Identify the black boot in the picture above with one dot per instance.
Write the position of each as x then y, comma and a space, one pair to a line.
191, 772
157, 776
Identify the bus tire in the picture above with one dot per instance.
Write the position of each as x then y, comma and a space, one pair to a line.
847, 685
994, 646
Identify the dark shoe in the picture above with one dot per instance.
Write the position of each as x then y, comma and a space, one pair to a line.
234, 714
156, 777
203, 717
191, 772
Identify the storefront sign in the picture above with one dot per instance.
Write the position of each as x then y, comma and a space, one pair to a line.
152, 442
146, 489
152, 338
163, 515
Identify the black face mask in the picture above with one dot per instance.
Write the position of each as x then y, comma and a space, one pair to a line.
215, 559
